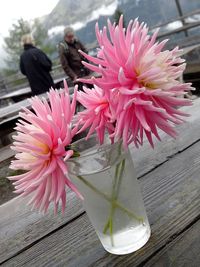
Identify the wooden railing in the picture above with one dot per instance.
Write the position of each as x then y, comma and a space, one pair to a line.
181, 18
17, 81
188, 40
180, 29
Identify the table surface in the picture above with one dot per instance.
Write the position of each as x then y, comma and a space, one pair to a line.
13, 109
188, 49
169, 177
19, 92
27, 90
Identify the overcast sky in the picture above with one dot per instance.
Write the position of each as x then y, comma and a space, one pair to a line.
12, 10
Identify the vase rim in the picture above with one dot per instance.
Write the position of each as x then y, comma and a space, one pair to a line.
97, 147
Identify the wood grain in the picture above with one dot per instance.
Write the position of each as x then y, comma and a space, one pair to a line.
145, 158
171, 193
6, 153
182, 252
20, 227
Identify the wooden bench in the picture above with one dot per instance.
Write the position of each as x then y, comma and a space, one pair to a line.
10, 114
169, 177
23, 93
6, 153
17, 95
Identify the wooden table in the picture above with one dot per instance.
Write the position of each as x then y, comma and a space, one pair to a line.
12, 110
188, 49
17, 95
10, 114
8, 118
21, 94
169, 177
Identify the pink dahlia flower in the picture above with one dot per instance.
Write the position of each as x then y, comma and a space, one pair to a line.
140, 80
40, 143
97, 113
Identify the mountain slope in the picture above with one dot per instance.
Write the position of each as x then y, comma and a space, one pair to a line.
68, 12
152, 12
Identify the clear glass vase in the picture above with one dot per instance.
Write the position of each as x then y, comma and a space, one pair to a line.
105, 177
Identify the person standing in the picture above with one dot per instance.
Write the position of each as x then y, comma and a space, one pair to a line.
36, 66
70, 58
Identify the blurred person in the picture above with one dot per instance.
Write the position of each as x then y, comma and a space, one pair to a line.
70, 58
36, 66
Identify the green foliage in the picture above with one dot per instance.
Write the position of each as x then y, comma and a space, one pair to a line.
13, 46
7, 72
13, 42
117, 15
39, 33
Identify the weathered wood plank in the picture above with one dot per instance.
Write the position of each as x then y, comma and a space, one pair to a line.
20, 226
20, 92
171, 193
14, 214
183, 251
186, 15
6, 153
12, 110
180, 29
145, 158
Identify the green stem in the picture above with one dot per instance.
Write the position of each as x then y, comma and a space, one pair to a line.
115, 191
109, 199
114, 195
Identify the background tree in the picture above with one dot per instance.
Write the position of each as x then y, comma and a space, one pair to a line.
41, 38
12, 45
117, 15
14, 48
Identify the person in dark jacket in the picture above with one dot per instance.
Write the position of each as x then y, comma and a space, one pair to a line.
36, 66
70, 58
